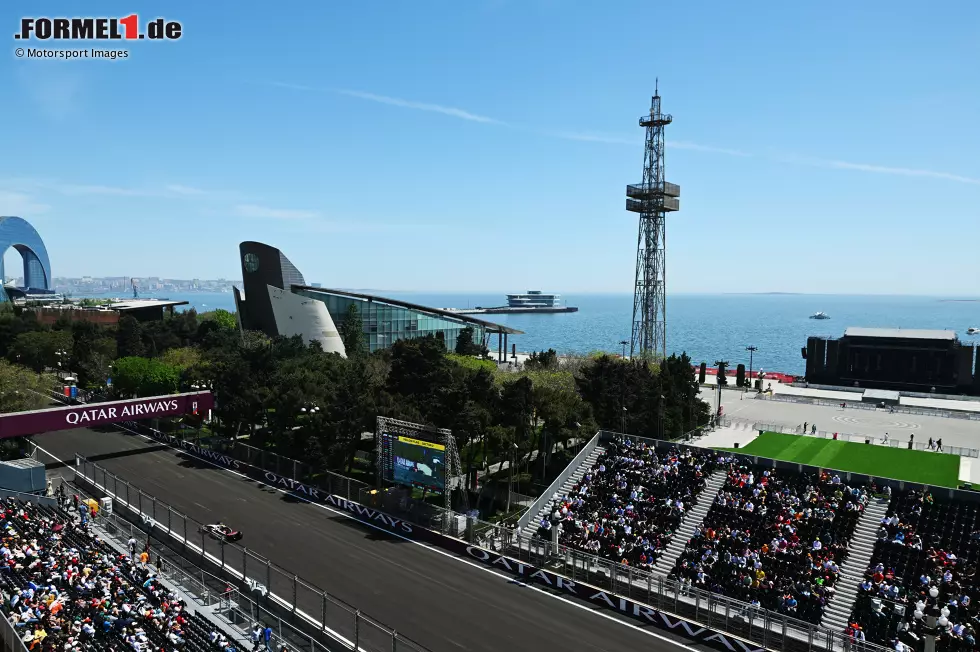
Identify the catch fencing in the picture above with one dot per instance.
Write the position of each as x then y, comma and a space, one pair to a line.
208, 590
275, 588
854, 405
735, 422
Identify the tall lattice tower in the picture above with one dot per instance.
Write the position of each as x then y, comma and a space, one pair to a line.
652, 199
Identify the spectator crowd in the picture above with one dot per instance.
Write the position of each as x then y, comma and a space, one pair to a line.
628, 505
924, 561
775, 539
63, 588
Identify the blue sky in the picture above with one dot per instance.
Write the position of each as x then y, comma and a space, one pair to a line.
485, 145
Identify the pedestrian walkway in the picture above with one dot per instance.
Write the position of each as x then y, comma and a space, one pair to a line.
859, 554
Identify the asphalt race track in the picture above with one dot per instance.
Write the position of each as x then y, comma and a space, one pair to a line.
437, 601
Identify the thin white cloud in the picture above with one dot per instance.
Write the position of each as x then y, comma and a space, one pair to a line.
20, 204
419, 106
595, 138
115, 191
266, 212
189, 191
903, 172
697, 147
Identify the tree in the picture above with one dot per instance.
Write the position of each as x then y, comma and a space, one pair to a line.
544, 360
42, 349
220, 317
465, 344
22, 390
134, 376
352, 333
129, 341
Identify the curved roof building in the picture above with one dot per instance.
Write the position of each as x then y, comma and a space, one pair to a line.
278, 301
18, 233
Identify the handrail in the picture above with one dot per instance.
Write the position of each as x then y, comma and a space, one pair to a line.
536, 506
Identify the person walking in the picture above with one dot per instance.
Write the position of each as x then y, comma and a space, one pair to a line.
939, 445
813, 429
911, 439
267, 638
159, 564
132, 547
930, 444
256, 637
805, 424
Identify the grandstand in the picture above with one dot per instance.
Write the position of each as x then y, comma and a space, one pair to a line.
63, 587
924, 558
832, 549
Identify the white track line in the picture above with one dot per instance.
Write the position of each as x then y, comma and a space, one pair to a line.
509, 579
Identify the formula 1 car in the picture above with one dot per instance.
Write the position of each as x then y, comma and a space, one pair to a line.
221, 532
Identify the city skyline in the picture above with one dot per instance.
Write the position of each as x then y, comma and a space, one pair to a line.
444, 158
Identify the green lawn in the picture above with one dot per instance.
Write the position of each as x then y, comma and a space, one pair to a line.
938, 469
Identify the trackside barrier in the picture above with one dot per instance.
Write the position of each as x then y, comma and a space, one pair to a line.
714, 620
898, 409
337, 624
846, 436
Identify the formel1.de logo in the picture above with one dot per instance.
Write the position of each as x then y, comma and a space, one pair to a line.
127, 28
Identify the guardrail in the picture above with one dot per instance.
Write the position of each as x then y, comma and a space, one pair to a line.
854, 405
209, 590
280, 588
784, 428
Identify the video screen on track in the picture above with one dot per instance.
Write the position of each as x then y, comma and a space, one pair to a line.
414, 462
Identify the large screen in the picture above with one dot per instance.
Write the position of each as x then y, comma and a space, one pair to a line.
414, 462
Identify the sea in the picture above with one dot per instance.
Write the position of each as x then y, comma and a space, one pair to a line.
708, 327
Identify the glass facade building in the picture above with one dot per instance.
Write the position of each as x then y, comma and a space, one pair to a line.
19, 234
386, 320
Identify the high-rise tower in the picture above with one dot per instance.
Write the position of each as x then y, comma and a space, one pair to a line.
652, 199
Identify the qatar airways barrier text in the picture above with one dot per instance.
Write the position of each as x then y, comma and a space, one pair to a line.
19, 424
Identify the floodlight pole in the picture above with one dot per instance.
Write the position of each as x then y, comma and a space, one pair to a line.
751, 350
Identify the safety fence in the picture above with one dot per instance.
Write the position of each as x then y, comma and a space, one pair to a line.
273, 587
767, 628
735, 422
855, 405
207, 590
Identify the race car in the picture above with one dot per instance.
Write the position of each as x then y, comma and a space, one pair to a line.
221, 532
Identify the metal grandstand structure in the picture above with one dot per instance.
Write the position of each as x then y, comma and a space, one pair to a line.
653, 198
455, 481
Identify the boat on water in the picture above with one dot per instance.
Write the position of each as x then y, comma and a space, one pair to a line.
819, 315
973, 331
529, 302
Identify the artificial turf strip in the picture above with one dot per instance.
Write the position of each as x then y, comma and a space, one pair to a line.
938, 469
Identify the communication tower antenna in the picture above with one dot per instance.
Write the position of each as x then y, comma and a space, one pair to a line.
653, 198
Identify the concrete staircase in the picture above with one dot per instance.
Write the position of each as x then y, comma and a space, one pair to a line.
587, 464
690, 523
860, 550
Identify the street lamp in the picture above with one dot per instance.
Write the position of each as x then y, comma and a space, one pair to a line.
624, 343
625, 412
751, 350
718, 366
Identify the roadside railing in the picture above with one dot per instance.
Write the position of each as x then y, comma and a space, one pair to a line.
855, 405
798, 429
278, 588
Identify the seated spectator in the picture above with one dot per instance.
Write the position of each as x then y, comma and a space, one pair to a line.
65, 589
628, 505
777, 538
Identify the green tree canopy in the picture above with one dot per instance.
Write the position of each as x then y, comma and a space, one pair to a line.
134, 376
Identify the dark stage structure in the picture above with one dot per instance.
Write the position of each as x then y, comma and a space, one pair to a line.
897, 359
